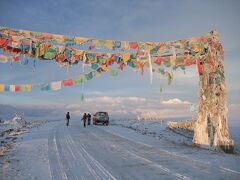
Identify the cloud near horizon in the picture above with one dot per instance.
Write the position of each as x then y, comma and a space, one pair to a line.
132, 107
175, 101
117, 107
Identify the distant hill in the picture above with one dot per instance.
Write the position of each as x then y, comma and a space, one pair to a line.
30, 112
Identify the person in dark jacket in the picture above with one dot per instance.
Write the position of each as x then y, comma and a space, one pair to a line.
84, 119
89, 119
67, 118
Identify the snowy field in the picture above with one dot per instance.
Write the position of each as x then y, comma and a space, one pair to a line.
158, 130
127, 149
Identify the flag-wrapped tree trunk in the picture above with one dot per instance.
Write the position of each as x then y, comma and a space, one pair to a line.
211, 127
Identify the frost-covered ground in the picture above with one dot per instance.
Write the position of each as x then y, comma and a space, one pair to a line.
127, 149
158, 130
10, 129
11, 132
28, 157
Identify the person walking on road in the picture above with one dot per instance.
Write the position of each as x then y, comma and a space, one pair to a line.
84, 119
89, 119
67, 118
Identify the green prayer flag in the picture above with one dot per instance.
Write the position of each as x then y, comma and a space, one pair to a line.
113, 72
89, 76
50, 54
79, 80
167, 63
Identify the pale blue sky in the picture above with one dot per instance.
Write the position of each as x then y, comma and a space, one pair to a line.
121, 20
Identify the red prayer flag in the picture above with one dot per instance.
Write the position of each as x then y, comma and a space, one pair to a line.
17, 88
3, 42
67, 83
199, 67
121, 66
158, 61
91, 47
61, 57
133, 45
15, 59
110, 62
142, 69
140, 53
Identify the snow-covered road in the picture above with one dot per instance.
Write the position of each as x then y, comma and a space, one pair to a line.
100, 153
57, 152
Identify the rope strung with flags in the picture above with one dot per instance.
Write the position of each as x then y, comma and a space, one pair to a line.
16, 46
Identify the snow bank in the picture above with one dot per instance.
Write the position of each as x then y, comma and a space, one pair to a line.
10, 129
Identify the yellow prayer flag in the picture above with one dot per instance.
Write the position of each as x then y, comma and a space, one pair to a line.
3, 59
41, 50
79, 52
1, 87
27, 87
195, 47
126, 57
109, 44
59, 38
149, 46
95, 42
25, 33
104, 67
80, 40
162, 49
93, 61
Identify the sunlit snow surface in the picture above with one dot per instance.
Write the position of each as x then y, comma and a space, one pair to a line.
127, 149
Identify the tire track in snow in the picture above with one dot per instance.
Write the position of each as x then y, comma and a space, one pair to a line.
99, 171
180, 176
64, 154
183, 157
80, 167
80, 157
74, 144
66, 157
56, 167
229, 170
145, 160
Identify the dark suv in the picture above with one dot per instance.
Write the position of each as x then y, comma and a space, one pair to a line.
101, 117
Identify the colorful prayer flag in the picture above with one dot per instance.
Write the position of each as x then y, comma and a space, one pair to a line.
79, 80
89, 76
1, 87
6, 88
133, 45
56, 85
113, 72
12, 88
67, 83
45, 87
17, 88
27, 87
3, 59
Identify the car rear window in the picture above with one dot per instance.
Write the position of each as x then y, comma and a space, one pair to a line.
102, 114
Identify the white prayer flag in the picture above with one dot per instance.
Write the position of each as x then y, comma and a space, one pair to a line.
56, 85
